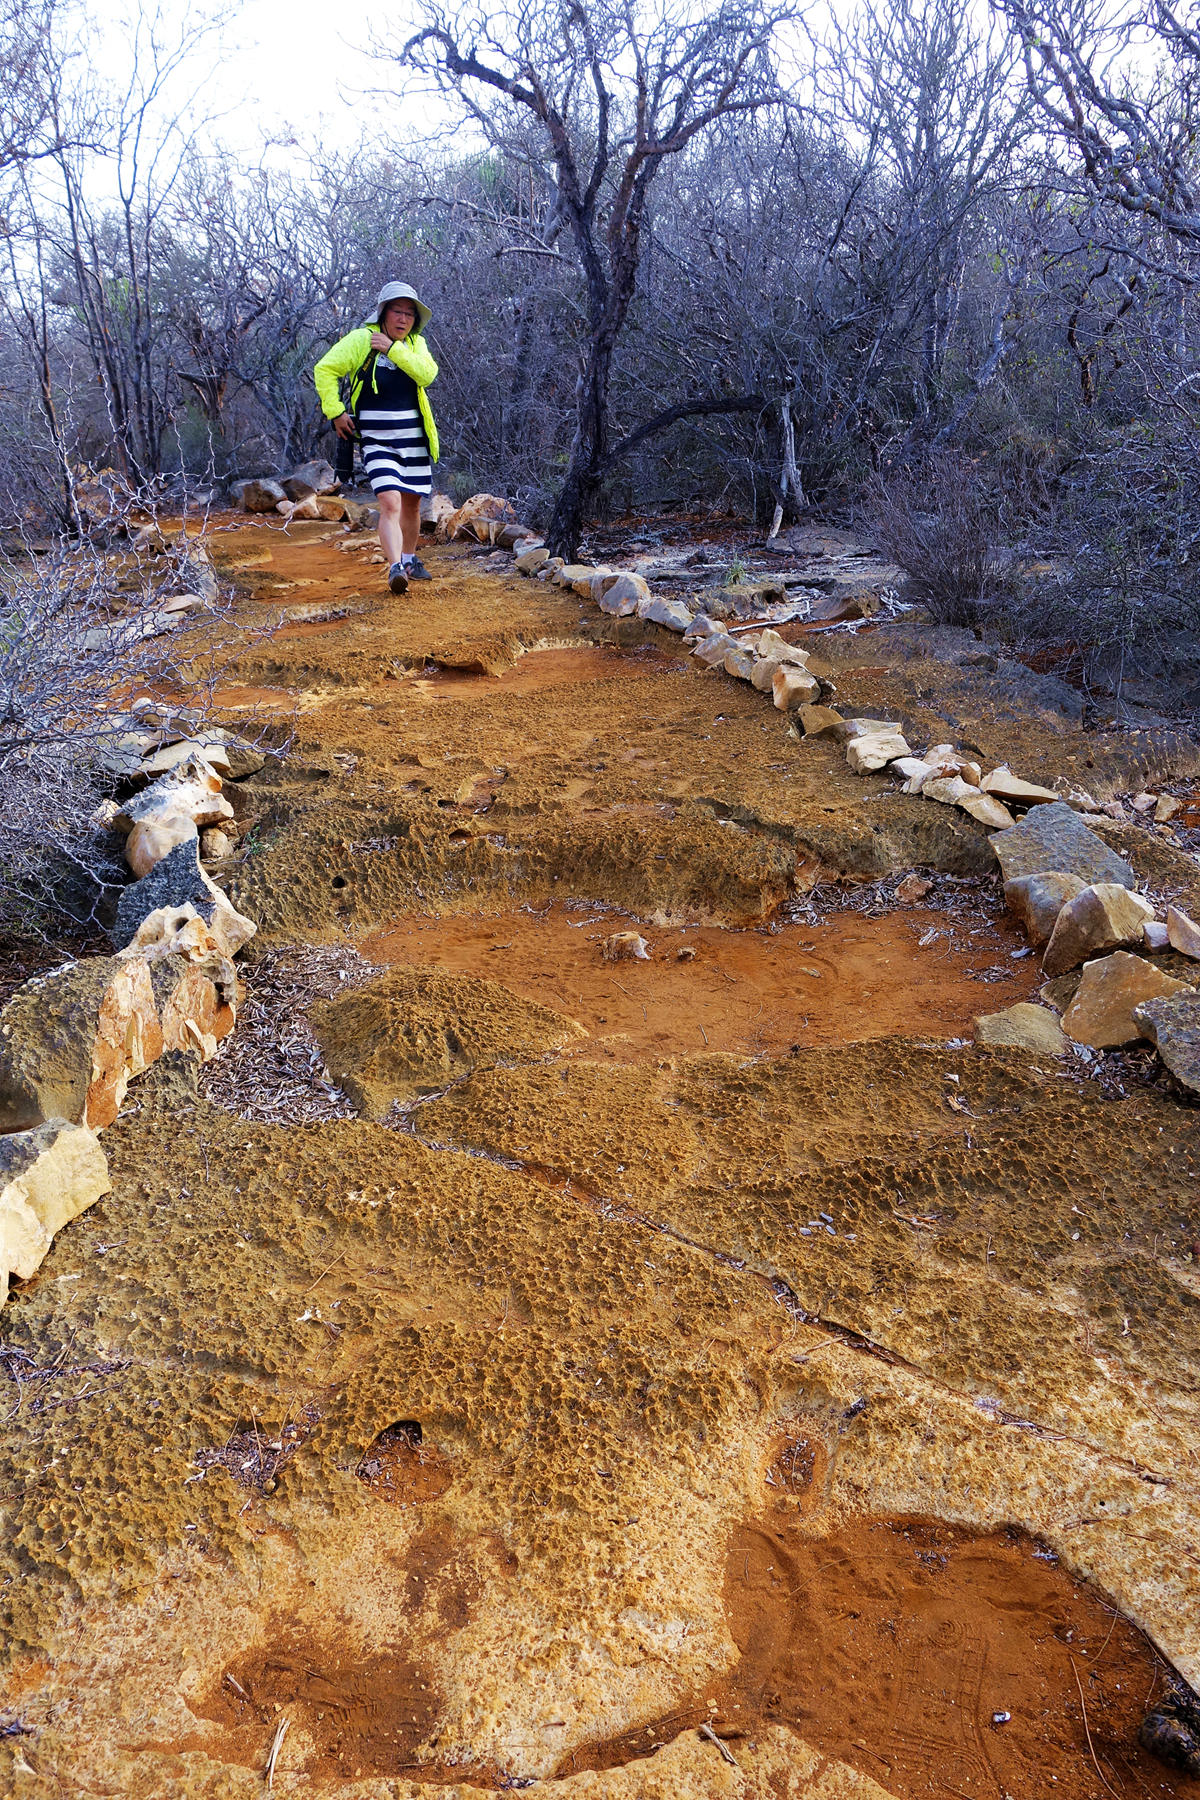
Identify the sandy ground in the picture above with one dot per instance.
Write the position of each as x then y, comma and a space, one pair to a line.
717, 1340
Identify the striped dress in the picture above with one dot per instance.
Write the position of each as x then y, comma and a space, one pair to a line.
395, 452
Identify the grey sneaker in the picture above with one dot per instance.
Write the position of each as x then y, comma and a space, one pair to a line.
397, 579
417, 570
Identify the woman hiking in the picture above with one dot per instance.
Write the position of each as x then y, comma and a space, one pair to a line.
390, 368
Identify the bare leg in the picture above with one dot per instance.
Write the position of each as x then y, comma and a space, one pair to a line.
391, 535
410, 520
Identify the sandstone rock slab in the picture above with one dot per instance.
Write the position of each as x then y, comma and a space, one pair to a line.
567, 574
207, 748
671, 613
48, 1176
1038, 899
529, 561
739, 663
866, 755
949, 790
988, 809
711, 651
318, 476
620, 594
1010, 788
259, 496
1099, 918
1102, 1013
1022, 1027
820, 721
416, 1028
792, 687
178, 880
1054, 837
72, 1041
191, 788
1183, 934
152, 839
1172, 1024
771, 644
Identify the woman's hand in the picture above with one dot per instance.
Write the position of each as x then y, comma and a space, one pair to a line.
380, 341
344, 425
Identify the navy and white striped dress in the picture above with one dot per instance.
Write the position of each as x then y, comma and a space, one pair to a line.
395, 451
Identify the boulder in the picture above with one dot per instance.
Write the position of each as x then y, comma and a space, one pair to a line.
1022, 1027
1182, 933
261, 496
620, 594
1037, 901
702, 626
317, 477
711, 651
529, 561
1102, 1013
299, 509
191, 788
435, 507
48, 1176
820, 721
152, 839
73, 1040
1099, 918
510, 535
178, 880
215, 846
845, 729
1166, 808
1010, 788
844, 606
1053, 837
866, 755
243, 759
479, 519
950, 790
915, 772
567, 574
1156, 935
762, 675
671, 613
296, 488
207, 747
739, 663
771, 644
792, 686
989, 810
1172, 1024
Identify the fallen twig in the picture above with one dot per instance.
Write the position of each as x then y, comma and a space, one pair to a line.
1087, 1730
706, 1731
276, 1747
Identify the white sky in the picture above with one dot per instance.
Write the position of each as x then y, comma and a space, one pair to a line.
280, 66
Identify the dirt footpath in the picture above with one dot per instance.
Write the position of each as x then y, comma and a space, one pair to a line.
692, 1374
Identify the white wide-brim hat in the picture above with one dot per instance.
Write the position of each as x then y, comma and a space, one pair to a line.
400, 290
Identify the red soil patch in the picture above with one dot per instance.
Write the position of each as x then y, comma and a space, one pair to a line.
937, 1661
752, 993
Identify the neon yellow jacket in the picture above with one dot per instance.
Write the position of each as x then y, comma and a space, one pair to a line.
349, 354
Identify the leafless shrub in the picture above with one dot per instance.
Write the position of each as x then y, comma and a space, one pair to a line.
939, 524
84, 635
